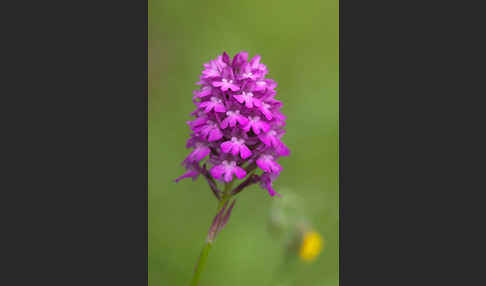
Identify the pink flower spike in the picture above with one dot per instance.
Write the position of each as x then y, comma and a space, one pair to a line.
237, 122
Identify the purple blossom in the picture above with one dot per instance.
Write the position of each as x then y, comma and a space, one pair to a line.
238, 125
248, 99
210, 131
204, 91
236, 146
256, 125
232, 117
201, 119
266, 181
270, 138
266, 163
227, 82
215, 103
226, 170
200, 151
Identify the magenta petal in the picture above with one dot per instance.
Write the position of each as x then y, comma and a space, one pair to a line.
239, 97
242, 120
217, 171
235, 149
244, 151
262, 164
256, 129
208, 105
240, 172
283, 150
275, 141
265, 139
266, 112
217, 83
219, 108
249, 103
247, 127
275, 167
188, 174
228, 176
255, 61
232, 121
201, 153
265, 126
272, 192
226, 146
214, 135
224, 124
226, 58
234, 87
240, 58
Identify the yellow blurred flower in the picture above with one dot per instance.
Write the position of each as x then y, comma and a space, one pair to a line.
311, 246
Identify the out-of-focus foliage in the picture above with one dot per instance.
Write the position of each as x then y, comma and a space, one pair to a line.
298, 41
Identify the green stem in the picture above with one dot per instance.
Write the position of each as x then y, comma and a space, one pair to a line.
200, 264
226, 196
205, 251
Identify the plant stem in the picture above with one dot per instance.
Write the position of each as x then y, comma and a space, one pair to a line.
200, 264
205, 251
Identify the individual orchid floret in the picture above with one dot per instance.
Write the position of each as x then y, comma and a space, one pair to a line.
265, 109
203, 92
266, 181
248, 98
213, 69
215, 103
240, 59
257, 125
232, 117
267, 163
200, 120
200, 151
210, 131
271, 138
227, 82
236, 146
226, 170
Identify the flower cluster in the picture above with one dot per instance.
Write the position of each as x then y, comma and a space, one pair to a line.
238, 124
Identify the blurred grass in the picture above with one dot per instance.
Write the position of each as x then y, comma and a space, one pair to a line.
298, 41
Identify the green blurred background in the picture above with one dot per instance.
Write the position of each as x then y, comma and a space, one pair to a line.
298, 41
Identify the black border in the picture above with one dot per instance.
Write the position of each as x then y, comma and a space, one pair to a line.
80, 150
403, 204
